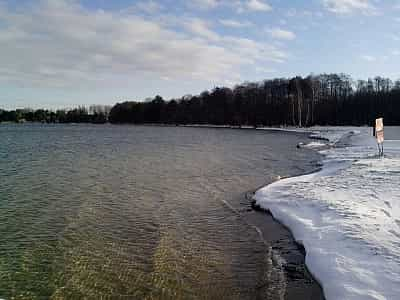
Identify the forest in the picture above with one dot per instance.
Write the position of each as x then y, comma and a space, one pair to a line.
326, 99
96, 114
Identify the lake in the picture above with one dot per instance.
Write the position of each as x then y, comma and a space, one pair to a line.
139, 212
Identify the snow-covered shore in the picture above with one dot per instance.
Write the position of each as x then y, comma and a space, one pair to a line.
347, 215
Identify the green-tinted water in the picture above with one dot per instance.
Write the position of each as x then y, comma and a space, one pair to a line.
121, 212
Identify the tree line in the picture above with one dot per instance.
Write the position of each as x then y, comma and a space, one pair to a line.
326, 99
93, 114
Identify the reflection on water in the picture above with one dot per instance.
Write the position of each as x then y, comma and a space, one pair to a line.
121, 212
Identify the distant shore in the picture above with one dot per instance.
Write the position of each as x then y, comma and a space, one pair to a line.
245, 127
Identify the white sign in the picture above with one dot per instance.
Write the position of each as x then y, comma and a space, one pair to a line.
379, 130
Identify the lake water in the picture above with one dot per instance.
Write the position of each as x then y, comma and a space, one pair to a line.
128, 212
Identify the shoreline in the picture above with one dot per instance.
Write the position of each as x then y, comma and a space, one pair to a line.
285, 128
282, 199
301, 283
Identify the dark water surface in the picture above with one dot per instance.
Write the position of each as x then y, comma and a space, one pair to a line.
123, 212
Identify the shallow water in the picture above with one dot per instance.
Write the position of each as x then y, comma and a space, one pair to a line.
137, 212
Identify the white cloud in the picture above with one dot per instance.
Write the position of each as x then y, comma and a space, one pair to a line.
394, 37
234, 23
149, 7
258, 5
264, 70
282, 22
350, 6
396, 52
281, 34
368, 58
239, 6
257, 51
73, 46
204, 4
201, 28
303, 13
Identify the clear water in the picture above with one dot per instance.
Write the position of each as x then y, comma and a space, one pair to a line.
123, 212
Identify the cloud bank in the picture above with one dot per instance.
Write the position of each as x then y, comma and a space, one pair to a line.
61, 43
281, 34
344, 7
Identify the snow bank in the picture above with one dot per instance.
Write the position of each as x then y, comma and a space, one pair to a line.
347, 215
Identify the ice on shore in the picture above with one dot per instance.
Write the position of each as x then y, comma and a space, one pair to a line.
347, 215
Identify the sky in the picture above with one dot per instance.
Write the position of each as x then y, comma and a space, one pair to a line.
64, 53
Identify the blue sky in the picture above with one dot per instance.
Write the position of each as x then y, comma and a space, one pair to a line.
62, 53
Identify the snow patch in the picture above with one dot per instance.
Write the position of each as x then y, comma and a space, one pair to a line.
347, 215
314, 145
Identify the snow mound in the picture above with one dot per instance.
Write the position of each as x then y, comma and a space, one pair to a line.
347, 215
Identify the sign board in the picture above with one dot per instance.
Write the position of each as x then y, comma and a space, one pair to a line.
379, 130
